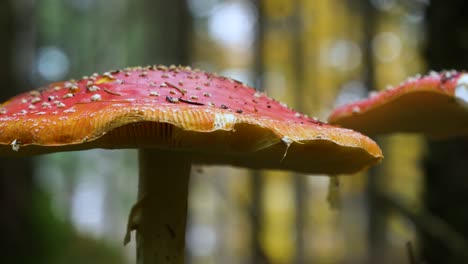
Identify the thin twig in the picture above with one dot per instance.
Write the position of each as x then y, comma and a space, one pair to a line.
409, 249
429, 224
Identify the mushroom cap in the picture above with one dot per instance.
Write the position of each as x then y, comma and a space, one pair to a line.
435, 105
217, 119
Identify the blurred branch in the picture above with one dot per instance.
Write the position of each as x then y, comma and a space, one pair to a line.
429, 224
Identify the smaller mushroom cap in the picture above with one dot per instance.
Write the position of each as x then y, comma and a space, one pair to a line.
216, 119
435, 105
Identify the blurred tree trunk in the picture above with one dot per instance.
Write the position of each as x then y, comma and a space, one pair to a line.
300, 183
377, 211
169, 31
256, 183
446, 170
18, 230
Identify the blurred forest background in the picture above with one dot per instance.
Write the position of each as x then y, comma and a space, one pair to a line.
311, 54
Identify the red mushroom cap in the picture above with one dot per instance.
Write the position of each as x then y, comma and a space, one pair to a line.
435, 105
218, 119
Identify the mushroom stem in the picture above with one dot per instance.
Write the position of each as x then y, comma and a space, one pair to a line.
162, 192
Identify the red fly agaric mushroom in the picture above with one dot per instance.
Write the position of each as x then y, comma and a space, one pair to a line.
435, 105
175, 116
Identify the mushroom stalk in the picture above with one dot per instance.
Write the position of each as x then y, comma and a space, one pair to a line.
162, 195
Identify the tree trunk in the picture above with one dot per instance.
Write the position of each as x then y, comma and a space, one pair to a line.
256, 183
17, 222
446, 185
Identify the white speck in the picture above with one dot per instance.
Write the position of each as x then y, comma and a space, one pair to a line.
51, 98
449, 74
55, 112
461, 90
224, 121
194, 97
93, 88
40, 113
69, 110
96, 97
23, 112
56, 88
163, 84
34, 93
108, 75
153, 93
68, 95
433, 74
286, 140
15, 145
172, 92
24, 101
257, 94
356, 109
373, 94
297, 115
207, 94
152, 84
32, 107
35, 100
3, 111
46, 104
60, 105
89, 83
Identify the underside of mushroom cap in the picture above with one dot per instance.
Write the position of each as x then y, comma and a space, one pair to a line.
435, 105
217, 119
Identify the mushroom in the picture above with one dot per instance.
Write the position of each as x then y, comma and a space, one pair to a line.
435, 105
176, 117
